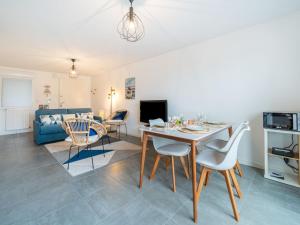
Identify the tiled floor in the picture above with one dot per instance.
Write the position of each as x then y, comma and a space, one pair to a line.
35, 189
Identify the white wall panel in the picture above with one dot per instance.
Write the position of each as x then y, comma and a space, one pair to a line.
17, 119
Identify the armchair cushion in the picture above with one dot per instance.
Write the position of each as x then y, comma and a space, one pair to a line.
119, 115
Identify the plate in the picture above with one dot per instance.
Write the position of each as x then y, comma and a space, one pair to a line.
194, 128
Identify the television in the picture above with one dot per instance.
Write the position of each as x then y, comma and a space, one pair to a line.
153, 109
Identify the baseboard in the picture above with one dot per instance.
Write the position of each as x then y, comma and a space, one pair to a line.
15, 132
251, 163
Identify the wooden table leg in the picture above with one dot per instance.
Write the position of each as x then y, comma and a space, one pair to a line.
185, 168
143, 156
194, 182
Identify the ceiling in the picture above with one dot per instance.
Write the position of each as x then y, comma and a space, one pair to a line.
44, 34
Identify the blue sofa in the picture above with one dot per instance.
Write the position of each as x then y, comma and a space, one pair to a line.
54, 132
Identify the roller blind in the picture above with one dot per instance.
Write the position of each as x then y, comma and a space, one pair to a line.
16, 92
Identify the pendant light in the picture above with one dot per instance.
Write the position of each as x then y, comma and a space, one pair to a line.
73, 72
131, 27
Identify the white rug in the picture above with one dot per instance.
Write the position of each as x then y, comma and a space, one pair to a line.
82, 163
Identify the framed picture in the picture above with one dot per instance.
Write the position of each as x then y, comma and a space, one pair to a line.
130, 88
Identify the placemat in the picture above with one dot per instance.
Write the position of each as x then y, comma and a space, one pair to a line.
185, 130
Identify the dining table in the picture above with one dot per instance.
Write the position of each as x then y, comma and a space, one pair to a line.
181, 135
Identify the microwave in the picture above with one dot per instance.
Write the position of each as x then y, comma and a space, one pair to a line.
281, 121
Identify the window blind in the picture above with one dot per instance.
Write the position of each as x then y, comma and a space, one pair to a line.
16, 92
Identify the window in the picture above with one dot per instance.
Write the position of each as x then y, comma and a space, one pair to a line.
16, 92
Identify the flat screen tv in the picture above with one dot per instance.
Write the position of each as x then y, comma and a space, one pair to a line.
153, 109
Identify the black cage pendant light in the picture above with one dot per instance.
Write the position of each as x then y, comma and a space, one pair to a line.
73, 72
131, 27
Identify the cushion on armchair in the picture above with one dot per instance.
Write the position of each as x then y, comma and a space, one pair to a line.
120, 115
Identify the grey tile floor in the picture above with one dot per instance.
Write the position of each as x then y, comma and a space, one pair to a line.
36, 190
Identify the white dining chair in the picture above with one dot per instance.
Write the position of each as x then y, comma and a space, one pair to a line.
223, 161
219, 145
169, 148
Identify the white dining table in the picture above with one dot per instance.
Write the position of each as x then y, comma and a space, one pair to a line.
189, 138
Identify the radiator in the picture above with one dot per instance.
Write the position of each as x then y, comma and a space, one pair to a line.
17, 119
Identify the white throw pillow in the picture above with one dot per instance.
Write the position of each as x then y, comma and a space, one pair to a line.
45, 119
68, 116
89, 115
56, 119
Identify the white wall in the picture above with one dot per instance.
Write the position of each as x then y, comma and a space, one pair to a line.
74, 92
232, 78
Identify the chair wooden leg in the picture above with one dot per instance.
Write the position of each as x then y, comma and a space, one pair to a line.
231, 196
235, 183
201, 182
189, 163
173, 174
207, 177
239, 169
167, 163
182, 160
157, 158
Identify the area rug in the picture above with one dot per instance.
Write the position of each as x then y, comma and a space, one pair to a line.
82, 163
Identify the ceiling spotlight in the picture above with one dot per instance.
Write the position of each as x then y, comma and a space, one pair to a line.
131, 27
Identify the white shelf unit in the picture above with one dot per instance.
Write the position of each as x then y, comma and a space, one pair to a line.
289, 178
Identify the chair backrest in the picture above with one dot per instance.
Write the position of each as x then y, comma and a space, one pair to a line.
79, 130
157, 141
98, 128
231, 155
233, 137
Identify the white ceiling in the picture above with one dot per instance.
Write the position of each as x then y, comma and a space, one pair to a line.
43, 34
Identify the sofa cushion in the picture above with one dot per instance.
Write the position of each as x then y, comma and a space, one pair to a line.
51, 129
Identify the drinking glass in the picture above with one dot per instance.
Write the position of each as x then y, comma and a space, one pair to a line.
201, 118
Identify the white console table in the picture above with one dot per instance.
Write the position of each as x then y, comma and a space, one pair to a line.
289, 177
